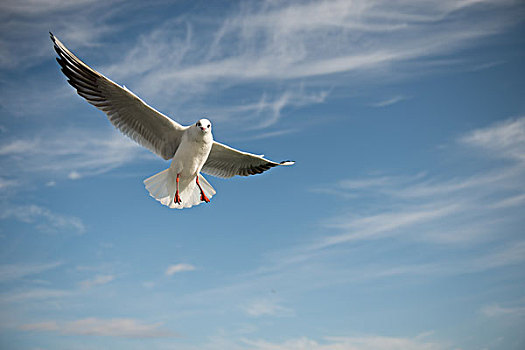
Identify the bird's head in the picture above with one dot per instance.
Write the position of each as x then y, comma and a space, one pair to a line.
204, 125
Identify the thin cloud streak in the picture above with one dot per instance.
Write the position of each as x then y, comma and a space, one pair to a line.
348, 343
28, 22
506, 139
384, 224
115, 327
33, 294
44, 219
69, 154
11, 272
97, 281
456, 203
508, 255
389, 101
267, 307
496, 310
351, 342
173, 269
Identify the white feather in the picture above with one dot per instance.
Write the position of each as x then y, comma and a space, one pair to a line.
162, 187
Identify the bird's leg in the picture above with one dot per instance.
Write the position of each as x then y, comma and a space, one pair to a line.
203, 196
177, 197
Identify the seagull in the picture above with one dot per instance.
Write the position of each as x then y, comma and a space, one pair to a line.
191, 149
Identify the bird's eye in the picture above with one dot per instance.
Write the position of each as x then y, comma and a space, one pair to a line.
209, 126
198, 124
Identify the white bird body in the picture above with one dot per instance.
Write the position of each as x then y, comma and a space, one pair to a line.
191, 149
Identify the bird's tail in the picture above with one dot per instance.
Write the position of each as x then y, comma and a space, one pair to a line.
162, 187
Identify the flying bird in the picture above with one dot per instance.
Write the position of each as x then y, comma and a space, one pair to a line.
191, 149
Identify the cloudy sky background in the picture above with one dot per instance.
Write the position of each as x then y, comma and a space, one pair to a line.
399, 227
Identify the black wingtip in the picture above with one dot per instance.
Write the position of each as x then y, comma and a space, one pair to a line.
287, 162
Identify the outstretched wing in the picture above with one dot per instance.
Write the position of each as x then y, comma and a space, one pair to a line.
125, 110
225, 161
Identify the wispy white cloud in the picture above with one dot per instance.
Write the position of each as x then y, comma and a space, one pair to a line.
389, 101
511, 253
72, 153
368, 34
115, 327
266, 307
511, 201
505, 139
385, 223
287, 99
173, 269
464, 208
32, 8
507, 255
483, 66
7, 183
45, 219
27, 23
10, 272
97, 281
267, 110
496, 310
239, 340
349, 343
269, 134
33, 294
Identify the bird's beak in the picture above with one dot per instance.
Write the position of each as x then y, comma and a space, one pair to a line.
203, 129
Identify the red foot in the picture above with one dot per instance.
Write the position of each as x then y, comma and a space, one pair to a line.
204, 198
177, 199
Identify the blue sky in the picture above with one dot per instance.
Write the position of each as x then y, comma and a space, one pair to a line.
400, 226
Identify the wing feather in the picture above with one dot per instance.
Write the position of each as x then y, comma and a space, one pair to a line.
125, 110
225, 161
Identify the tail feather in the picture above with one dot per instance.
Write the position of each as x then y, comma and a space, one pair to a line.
162, 187
206, 187
157, 185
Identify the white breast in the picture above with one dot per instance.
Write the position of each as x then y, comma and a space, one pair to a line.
192, 153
